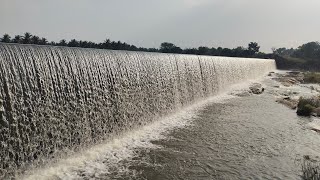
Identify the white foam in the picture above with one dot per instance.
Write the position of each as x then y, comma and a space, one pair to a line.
101, 159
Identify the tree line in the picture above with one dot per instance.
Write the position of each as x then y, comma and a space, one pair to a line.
309, 51
306, 57
166, 47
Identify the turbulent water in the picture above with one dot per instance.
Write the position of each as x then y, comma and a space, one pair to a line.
57, 99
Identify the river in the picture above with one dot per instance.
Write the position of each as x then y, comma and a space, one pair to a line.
227, 137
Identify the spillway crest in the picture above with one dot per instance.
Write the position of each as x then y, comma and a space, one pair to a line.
55, 99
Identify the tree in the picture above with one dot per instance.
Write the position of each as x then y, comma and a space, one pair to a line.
309, 50
26, 38
73, 43
253, 48
190, 51
17, 39
203, 50
226, 52
63, 42
166, 47
43, 41
35, 40
239, 52
5, 38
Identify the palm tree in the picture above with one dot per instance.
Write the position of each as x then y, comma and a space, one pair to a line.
5, 38
35, 40
17, 39
27, 38
73, 43
63, 42
43, 41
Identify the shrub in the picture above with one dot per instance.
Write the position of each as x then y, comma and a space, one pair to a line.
306, 106
310, 170
311, 77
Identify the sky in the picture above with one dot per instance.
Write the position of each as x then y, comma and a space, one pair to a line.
186, 23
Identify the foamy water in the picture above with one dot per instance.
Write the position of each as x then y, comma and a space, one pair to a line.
105, 158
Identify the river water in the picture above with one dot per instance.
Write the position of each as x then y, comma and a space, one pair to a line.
227, 137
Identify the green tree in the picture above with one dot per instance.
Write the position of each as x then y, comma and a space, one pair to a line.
5, 38
203, 50
309, 50
63, 42
43, 41
166, 47
26, 38
253, 48
17, 39
73, 43
35, 40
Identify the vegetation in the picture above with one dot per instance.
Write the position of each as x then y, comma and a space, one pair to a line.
305, 57
251, 51
307, 106
310, 169
311, 77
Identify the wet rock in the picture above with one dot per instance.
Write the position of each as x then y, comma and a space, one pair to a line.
290, 78
256, 88
288, 101
242, 93
286, 84
294, 72
315, 126
316, 111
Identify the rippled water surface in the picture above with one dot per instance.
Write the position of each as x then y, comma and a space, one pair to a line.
242, 138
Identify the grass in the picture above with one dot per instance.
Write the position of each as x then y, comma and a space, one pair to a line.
312, 77
310, 169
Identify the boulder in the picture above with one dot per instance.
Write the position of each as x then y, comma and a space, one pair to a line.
256, 88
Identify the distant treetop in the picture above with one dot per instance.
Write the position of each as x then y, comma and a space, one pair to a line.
166, 47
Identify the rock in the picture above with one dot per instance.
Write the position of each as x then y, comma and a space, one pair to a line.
294, 72
290, 78
256, 88
289, 102
287, 98
241, 93
317, 111
315, 125
286, 84
277, 86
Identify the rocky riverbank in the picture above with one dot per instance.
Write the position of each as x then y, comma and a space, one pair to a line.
294, 91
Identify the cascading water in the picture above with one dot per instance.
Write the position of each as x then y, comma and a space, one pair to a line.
57, 99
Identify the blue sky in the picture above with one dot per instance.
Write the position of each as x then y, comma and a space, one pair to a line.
186, 23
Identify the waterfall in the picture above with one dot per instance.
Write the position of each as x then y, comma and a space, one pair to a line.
55, 99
